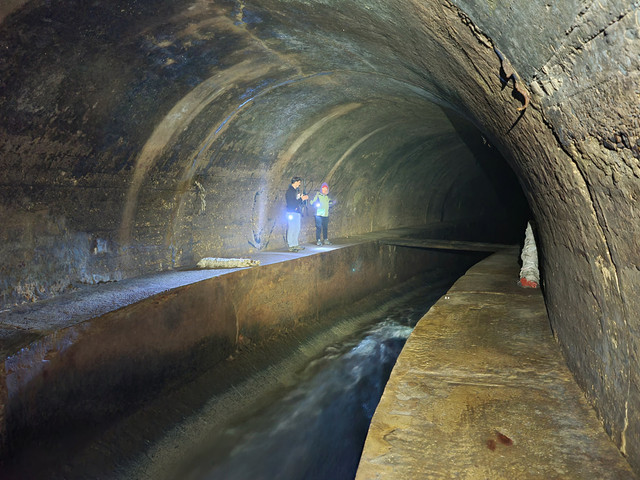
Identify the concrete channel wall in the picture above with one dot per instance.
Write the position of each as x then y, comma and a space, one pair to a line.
481, 390
99, 367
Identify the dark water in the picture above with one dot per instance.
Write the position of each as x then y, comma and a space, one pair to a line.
316, 428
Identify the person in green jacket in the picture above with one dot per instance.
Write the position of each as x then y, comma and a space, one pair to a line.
322, 202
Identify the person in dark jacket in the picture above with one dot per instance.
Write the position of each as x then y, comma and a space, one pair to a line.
294, 213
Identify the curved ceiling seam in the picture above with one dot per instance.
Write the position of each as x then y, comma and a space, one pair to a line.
276, 172
357, 143
278, 166
222, 126
145, 161
395, 168
167, 130
190, 171
362, 140
415, 88
352, 147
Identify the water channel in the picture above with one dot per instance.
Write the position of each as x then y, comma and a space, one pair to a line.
299, 409
316, 425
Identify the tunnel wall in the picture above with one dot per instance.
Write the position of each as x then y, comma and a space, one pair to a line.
96, 369
179, 143
190, 128
578, 156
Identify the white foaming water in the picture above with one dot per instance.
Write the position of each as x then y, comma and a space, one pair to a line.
317, 428
305, 416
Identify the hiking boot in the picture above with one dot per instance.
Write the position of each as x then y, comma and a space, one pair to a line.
319, 243
327, 242
293, 249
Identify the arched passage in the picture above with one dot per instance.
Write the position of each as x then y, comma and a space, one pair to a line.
136, 137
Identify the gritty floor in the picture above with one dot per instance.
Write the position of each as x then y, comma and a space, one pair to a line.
481, 391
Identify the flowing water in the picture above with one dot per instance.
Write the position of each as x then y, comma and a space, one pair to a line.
316, 427
298, 409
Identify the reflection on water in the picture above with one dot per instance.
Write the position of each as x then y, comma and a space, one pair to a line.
317, 428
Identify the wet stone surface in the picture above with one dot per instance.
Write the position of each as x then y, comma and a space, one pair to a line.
481, 390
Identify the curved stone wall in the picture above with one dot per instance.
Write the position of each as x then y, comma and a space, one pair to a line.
136, 137
141, 138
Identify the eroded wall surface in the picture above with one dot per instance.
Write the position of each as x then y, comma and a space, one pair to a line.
579, 61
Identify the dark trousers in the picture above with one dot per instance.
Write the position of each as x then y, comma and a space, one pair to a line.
322, 226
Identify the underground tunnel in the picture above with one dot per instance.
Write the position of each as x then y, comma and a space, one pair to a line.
137, 137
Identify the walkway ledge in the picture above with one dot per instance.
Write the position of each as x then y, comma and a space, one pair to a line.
78, 364
481, 391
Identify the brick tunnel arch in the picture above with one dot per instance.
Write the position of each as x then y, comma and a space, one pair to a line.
137, 137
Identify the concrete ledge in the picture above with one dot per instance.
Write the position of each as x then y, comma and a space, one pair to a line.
71, 368
481, 390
